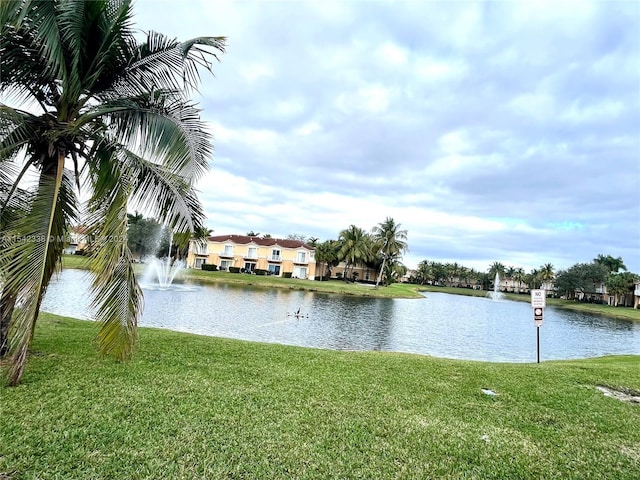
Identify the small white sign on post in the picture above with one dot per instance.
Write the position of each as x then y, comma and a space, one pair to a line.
538, 299
538, 316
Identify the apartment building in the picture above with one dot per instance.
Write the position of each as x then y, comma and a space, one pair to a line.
276, 255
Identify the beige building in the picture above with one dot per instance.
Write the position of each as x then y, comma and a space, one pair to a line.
275, 255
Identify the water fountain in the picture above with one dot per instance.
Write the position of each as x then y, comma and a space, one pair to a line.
161, 272
496, 294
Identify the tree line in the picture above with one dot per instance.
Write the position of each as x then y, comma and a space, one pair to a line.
381, 249
604, 270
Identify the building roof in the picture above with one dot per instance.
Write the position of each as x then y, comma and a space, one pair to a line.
265, 242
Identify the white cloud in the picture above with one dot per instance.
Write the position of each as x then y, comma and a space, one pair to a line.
477, 126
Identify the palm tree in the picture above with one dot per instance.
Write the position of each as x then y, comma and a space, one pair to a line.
612, 264
112, 115
546, 275
355, 247
508, 274
392, 242
424, 273
518, 276
496, 268
326, 254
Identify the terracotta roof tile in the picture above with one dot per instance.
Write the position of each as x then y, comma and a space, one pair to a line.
264, 242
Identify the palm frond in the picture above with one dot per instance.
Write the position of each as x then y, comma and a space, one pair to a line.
31, 48
163, 126
165, 63
163, 194
28, 261
117, 296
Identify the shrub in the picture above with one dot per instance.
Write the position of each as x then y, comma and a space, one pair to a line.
209, 267
286, 275
259, 271
234, 269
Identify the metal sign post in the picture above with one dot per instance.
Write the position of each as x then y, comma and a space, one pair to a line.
538, 302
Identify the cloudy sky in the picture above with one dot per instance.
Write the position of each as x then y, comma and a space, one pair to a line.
492, 131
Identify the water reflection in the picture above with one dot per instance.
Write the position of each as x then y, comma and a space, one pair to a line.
441, 325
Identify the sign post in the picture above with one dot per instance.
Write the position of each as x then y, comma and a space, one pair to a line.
538, 302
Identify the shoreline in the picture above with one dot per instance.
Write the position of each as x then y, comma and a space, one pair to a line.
395, 290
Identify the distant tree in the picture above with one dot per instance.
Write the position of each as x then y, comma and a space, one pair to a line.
569, 281
546, 275
391, 242
251, 233
497, 267
355, 247
533, 278
424, 273
313, 241
439, 272
612, 264
581, 277
143, 235
266, 235
518, 276
326, 255
619, 284
297, 236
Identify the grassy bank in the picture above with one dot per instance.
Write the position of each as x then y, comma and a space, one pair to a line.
398, 290
624, 313
199, 407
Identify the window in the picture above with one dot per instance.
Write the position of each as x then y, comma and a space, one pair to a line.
228, 250
249, 266
274, 269
275, 254
199, 262
225, 264
300, 272
252, 253
302, 257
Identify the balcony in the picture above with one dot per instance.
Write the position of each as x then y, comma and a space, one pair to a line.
250, 256
226, 254
274, 258
301, 261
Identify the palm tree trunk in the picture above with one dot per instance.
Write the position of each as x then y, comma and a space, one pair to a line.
7, 304
384, 259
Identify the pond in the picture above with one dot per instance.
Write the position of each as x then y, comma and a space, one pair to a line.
441, 325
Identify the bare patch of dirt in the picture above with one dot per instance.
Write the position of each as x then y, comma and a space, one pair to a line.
622, 394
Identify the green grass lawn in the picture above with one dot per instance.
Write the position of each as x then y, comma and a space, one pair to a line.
199, 407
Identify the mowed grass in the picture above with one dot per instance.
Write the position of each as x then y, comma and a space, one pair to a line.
190, 407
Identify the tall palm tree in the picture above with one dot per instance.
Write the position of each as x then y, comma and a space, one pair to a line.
497, 267
355, 247
546, 275
391, 240
326, 254
518, 276
612, 264
96, 109
424, 272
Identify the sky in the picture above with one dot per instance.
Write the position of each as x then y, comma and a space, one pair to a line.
491, 131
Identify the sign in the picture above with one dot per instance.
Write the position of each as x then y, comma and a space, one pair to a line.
538, 299
538, 316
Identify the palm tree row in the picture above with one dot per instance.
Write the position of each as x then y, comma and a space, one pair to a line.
454, 274
93, 109
380, 250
